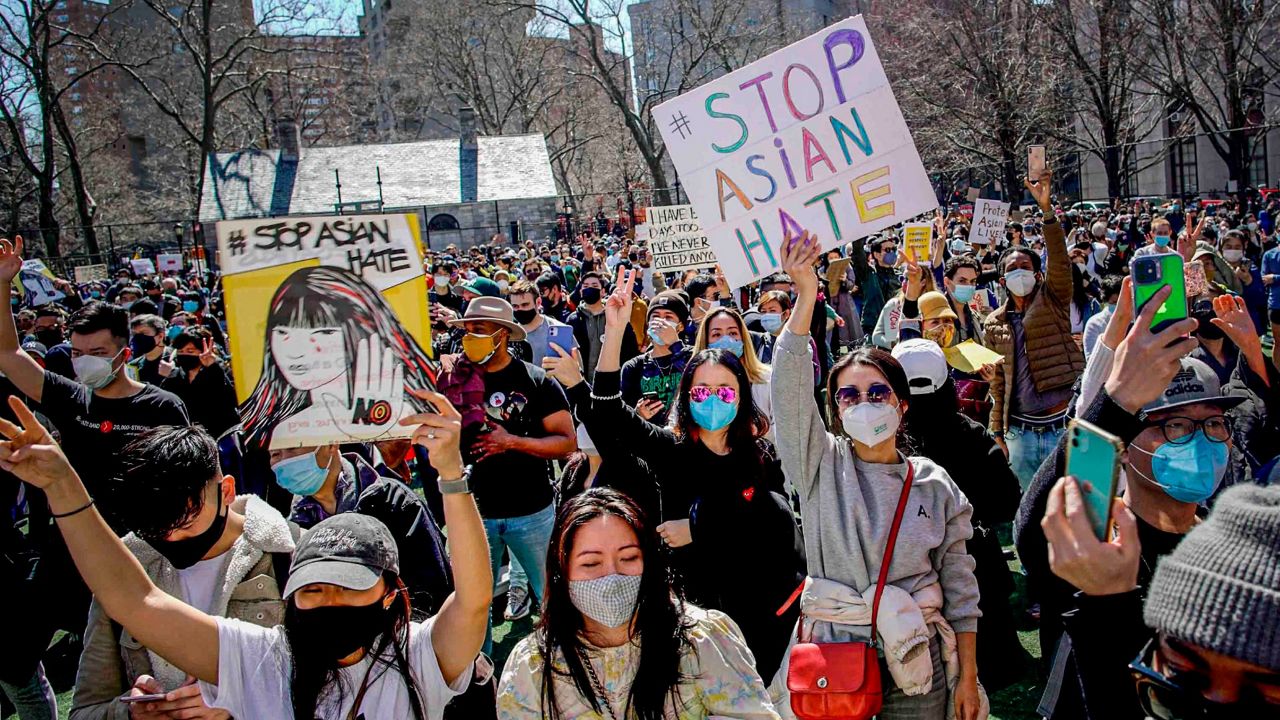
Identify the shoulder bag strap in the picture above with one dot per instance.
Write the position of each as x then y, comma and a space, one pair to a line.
888, 548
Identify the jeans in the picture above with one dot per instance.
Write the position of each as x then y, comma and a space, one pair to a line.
1027, 450
517, 577
34, 700
527, 538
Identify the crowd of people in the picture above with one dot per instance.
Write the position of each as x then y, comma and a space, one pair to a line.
696, 489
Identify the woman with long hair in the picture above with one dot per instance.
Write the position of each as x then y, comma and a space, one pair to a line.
615, 641
324, 327
348, 647
736, 547
724, 329
851, 484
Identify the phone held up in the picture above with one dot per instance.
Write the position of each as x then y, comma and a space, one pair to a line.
1093, 459
1036, 162
1152, 272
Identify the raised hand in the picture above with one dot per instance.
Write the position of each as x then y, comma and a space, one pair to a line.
29, 451
1121, 318
915, 280
1040, 190
377, 393
439, 432
566, 368
10, 258
208, 353
617, 310
1187, 242
799, 256
1236, 323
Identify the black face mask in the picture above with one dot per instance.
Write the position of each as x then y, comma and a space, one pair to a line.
333, 632
48, 336
142, 344
524, 317
1206, 328
188, 551
187, 362
590, 295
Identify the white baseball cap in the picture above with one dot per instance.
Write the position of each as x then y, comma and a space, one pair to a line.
924, 363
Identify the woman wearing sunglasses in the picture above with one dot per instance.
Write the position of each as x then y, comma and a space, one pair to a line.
736, 547
851, 483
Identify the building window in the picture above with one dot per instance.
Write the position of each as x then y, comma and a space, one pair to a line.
443, 221
1185, 177
1258, 163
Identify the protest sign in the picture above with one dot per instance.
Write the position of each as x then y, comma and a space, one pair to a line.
327, 321
676, 240
169, 262
807, 138
917, 237
89, 273
35, 284
969, 356
989, 220
142, 266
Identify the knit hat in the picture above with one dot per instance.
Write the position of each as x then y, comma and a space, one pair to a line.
670, 300
1220, 588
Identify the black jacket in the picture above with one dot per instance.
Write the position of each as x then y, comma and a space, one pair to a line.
1107, 633
620, 469
210, 398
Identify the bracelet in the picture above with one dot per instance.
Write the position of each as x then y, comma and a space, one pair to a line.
615, 396
77, 511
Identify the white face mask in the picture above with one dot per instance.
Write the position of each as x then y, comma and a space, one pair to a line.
442, 281
503, 285
609, 600
870, 423
95, 372
1233, 256
1020, 282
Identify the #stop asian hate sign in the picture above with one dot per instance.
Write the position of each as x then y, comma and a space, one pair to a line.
808, 138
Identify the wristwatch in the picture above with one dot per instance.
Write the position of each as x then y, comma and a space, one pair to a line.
457, 486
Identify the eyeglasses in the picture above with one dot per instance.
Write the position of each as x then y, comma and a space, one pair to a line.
888, 248
1180, 430
700, 393
875, 393
1179, 697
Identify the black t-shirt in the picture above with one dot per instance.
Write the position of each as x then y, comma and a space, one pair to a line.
95, 429
511, 484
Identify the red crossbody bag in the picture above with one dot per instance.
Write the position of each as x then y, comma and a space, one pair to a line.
842, 680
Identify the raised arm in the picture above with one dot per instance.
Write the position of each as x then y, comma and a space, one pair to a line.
458, 633
16, 364
181, 634
1057, 272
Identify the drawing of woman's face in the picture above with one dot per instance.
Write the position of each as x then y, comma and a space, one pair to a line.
309, 358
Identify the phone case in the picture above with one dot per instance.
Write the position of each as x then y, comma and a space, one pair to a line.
1093, 458
1170, 272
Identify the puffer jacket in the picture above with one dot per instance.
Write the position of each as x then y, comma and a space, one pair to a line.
1056, 360
112, 659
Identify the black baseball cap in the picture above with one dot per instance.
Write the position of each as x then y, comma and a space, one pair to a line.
349, 550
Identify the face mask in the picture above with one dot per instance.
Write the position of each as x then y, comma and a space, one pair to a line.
731, 344
1233, 256
1253, 227
590, 295
656, 330
713, 413
1189, 472
610, 600
48, 336
187, 362
1163, 240
186, 552
95, 372
963, 293
771, 322
479, 348
503, 285
524, 317
441, 282
870, 423
333, 632
300, 475
1020, 282
142, 344
95, 294
173, 331
190, 306
943, 335
127, 304
891, 258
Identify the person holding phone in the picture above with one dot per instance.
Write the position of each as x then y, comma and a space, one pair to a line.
649, 380
538, 326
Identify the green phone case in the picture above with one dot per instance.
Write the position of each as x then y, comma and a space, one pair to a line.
1171, 274
1093, 459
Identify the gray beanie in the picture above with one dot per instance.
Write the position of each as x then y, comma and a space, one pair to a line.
1220, 588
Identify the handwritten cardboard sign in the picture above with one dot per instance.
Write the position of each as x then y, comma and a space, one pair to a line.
917, 237
807, 138
989, 220
327, 320
89, 273
142, 266
676, 239
169, 262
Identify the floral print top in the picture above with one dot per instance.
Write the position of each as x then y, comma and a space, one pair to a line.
723, 681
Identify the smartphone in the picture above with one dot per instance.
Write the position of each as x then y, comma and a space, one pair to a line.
650, 396
1036, 162
154, 697
1152, 272
561, 335
1093, 459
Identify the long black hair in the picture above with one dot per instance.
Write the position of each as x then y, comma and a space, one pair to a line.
313, 675
659, 614
748, 425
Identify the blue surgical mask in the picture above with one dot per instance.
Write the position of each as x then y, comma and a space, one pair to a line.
729, 343
300, 475
173, 331
891, 258
190, 306
656, 337
713, 413
963, 293
771, 322
1189, 472
1163, 240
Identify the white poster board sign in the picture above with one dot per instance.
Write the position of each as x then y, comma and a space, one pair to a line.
676, 239
35, 284
142, 266
807, 138
989, 220
89, 273
169, 262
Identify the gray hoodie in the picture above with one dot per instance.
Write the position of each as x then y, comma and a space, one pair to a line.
847, 505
